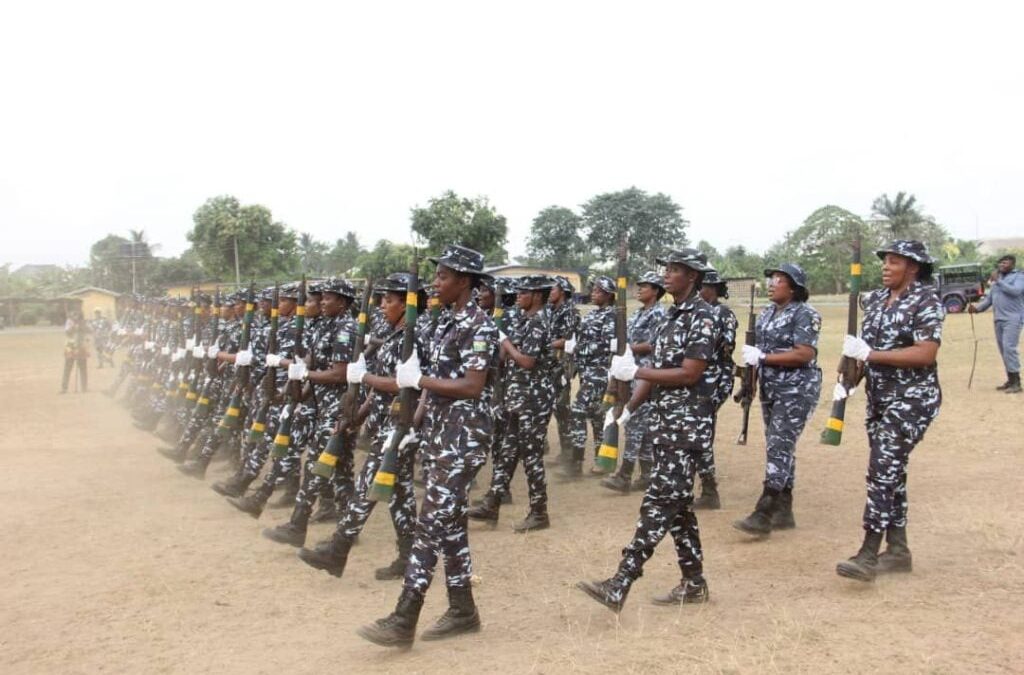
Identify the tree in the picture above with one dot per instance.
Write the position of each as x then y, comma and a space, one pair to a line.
173, 272
312, 254
654, 223
714, 257
737, 261
450, 219
387, 257
556, 240
345, 254
900, 214
223, 227
822, 246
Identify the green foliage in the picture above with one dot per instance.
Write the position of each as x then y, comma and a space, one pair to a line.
387, 257
312, 255
653, 222
173, 272
556, 240
345, 255
450, 219
266, 248
901, 218
990, 262
738, 261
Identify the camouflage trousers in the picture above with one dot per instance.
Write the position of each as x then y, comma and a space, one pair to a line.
706, 456
454, 450
202, 413
339, 486
666, 509
303, 423
638, 440
587, 406
257, 446
402, 504
523, 441
893, 432
563, 409
784, 419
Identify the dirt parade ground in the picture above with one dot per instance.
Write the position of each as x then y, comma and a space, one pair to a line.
115, 562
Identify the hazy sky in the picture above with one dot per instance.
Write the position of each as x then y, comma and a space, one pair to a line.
341, 116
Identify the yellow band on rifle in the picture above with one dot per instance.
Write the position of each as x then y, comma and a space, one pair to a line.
191, 396
362, 317
622, 282
249, 307
281, 439
204, 401
384, 478
273, 313
608, 451
834, 424
855, 269
258, 427
608, 399
233, 412
328, 459
411, 299
301, 310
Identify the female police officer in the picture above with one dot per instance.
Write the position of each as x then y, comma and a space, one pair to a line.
900, 338
787, 347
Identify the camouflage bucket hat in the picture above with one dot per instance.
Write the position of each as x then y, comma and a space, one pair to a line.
203, 299
338, 286
908, 248
396, 282
535, 282
505, 285
565, 284
290, 291
712, 278
606, 284
462, 259
690, 257
652, 279
791, 270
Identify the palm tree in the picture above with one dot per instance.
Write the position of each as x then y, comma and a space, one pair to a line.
901, 214
311, 253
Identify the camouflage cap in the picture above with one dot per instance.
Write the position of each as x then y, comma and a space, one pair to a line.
535, 282
712, 278
290, 290
338, 286
791, 270
265, 294
202, 299
396, 282
652, 279
565, 284
690, 257
606, 284
461, 259
908, 248
505, 285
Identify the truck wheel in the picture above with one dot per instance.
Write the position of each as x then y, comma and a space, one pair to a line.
954, 304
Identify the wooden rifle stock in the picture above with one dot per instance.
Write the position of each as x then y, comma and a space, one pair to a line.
617, 393
833, 432
747, 374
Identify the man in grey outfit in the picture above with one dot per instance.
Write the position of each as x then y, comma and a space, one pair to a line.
1006, 297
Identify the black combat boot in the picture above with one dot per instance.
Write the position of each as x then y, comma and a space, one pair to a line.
571, 469
1014, 387
175, 454
759, 523
487, 511
611, 592
461, 617
293, 532
896, 557
255, 503
234, 486
644, 479
709, 498
148, 421
782, 516
619, 481
1006, 385
326, 511
396, 570
864, 565
195, 467
329, 555
397, 629
689, 591
290, 488
536, 519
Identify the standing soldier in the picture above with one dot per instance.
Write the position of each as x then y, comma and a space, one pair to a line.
719, 374
786, 355
592, 349
526, 409
76, 351
102, 339
1006, 298
681, 396
564, 319
456, 393
642, 328
900, 337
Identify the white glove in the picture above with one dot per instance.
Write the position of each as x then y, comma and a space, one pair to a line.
855, 348
122, 332
139, 332
609, 417
190, 343
165, 351
624, 367
501, 337
273, 360
570, 345
624, 417
752, 356
179, 353
839, 392
298, 371
212, 351
356, 371
148, 345
408, 372
410, 437
614, 345
243, 358
198, 352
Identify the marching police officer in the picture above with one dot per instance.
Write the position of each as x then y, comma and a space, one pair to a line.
786, 355
900, 338
564, 320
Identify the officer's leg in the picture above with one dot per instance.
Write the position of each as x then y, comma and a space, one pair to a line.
69, 365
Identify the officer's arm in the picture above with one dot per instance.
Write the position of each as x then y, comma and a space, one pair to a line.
470, 386
386, 384
799, 355
336, 374
642, 348
558, 344
686, 375
641, 392
520, 359
1013, 288
917, 355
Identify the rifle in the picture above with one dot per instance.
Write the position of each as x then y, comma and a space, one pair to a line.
293, 388
384, 482
747, 374
202, 405
328, 459
848, 370
269, 383
498, 391
232, 419
193, 367
617, 393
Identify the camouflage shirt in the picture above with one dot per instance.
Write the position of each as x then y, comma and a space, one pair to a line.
643, 327
464, 340
529, 389
594, 341
780, 329
721, 366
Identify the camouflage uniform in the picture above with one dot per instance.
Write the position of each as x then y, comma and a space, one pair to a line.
593, 354
719, 376
788, 395
564, 321
257, 455
642, 327
901, 402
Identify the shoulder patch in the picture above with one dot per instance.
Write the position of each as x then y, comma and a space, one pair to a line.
343, 337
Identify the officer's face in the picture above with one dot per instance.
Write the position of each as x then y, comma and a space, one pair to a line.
709, 293
265, 307
645, 293
331, 304
450, 284
286, 306
599, 297
780, 291
393, 306
898, 271
557, 295
486, 298
1004, 266
679, 280
313, 305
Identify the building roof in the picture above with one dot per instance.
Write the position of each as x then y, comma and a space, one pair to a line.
90, 289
